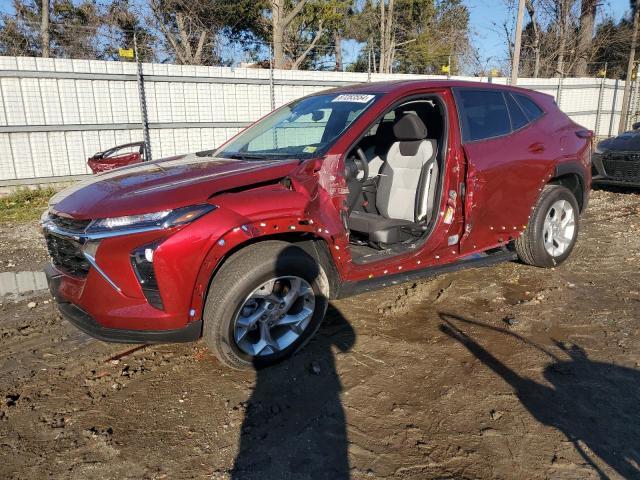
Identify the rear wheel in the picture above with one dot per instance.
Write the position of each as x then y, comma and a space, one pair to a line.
263, 305
552, 230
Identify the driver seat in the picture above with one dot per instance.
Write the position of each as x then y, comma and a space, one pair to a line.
400, 198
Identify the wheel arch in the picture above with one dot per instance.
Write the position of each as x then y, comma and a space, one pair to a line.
571, 175
313, 245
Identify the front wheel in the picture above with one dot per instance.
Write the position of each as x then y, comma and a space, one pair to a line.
263, 305
552, 230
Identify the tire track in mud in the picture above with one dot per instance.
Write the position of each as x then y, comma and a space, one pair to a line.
417, 404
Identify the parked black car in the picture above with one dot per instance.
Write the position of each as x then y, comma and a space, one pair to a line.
616, 161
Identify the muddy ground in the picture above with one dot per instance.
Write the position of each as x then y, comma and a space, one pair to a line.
507, 372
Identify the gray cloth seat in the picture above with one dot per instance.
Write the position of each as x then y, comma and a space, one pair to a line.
406, 187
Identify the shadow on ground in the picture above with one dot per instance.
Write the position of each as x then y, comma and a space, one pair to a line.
594, 404
294, 425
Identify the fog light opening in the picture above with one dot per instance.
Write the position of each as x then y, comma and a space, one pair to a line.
142, 262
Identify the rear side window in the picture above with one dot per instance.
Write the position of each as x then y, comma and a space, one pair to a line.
483, 114
518, 118
530, 108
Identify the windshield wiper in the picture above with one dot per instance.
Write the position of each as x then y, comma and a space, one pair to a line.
246, 156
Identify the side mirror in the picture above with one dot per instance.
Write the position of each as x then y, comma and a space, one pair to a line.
635, 126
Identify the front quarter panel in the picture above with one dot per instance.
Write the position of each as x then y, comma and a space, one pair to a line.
252, 215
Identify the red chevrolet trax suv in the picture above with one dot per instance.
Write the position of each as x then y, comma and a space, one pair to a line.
334, 194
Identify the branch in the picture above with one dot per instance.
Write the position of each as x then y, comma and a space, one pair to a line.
197, 57
313, 43
184, 37
172, 40
292, 14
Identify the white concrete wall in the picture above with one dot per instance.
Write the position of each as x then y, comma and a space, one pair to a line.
55, 113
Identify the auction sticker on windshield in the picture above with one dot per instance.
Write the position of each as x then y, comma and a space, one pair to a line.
353, 97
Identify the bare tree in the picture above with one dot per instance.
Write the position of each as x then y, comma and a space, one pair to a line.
585, 36
44, 27
183, 29
280, 21
563, 9
628, 80
535, 43
295, 64
387, 36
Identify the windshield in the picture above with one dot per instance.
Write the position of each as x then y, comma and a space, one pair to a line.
302, 129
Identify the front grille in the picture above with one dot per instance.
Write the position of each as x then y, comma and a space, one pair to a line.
69, 224
67, 256
623, 167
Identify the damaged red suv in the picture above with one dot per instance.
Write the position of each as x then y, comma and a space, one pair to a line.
337, 193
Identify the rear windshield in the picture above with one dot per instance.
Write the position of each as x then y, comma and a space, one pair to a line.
301, 129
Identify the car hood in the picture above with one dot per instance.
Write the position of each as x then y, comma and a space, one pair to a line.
162, 185
627, 142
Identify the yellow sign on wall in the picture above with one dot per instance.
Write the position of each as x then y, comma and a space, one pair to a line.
126, 52
445, 68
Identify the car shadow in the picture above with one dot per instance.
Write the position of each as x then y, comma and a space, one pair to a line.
294, 425
592, 403
617, 189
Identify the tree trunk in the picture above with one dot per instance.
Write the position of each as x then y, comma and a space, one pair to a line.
383, 47
587, 20
536, 38
389, 40
279, 23
44, 28
277, 18
337, 41
562, 36
626, 98
386, 36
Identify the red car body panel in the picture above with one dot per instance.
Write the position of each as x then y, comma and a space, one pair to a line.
111, 159
105, 164
502, 178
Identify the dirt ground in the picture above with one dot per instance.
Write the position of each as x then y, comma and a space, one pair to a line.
508, 372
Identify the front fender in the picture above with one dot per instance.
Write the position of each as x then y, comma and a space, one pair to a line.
241, 220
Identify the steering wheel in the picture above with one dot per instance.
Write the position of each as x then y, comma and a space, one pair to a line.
362, 164
354, 183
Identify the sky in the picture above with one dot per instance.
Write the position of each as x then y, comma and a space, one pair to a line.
488, 16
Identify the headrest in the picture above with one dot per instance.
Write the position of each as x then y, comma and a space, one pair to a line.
409, 127
384, 133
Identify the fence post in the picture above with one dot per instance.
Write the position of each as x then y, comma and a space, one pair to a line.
272, 89
633, 114
559, 91
599, 110
613, 107
143, 103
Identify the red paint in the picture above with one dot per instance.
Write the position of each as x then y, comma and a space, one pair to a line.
502, 178
110, 159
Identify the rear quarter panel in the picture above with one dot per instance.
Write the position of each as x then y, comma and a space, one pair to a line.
505, 175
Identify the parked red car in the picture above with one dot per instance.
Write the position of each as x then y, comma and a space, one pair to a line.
334, 194
116, 157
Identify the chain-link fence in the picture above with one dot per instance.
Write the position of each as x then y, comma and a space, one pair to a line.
55, 113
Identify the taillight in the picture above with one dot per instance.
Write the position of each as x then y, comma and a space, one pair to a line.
584, 133
142, 262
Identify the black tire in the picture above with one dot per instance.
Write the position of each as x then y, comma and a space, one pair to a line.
238, 277
530, 245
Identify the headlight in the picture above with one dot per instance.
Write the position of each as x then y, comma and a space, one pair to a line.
162, 219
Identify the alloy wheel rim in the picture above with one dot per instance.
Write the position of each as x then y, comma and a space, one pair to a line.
559, 228
274, 316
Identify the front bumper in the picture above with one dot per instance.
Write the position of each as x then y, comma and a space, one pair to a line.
612, 168
82, 320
